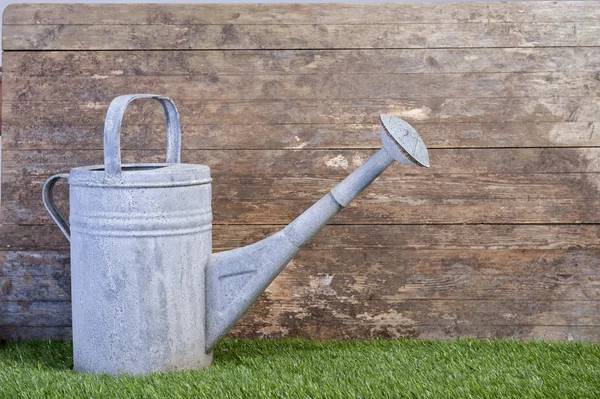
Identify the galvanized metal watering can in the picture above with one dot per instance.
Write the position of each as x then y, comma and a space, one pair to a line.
147, 293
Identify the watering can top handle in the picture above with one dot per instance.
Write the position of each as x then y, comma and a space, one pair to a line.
112, 130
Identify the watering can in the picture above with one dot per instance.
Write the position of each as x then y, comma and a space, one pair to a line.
147, 292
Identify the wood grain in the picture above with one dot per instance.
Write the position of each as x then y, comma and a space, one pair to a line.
272, 187
291, 319
21, 333
438, 331
365, 237
322, 164
548, 199
315, 36
281, 14
21, 64
296, 137
405, 314
498, 239
319, 87
324, 332
261, 112
358, 275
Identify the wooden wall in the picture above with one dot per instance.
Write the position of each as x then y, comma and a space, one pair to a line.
499, 238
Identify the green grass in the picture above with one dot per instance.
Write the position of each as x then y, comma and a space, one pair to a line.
306, 369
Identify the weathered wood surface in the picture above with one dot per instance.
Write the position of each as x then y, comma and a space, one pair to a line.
500, 238
379, 237
404, 314
315, 36
424, 274
549, 185
59, 64
278, 14
317, 87
473, 288
309, 111
550, 333
305, 136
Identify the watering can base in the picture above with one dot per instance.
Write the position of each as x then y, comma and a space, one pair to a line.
138, 368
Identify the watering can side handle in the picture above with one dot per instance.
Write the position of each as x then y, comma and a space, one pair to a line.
112, 130
48, 198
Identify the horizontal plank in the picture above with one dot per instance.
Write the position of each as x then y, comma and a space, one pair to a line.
24, 334
323, 331
184, 14
22, 165
360, 276
282, 62
24, 238
460, 237
447, 199
297, 313
327, 332
304, 136
261, 112
364, 237
271, 187
103, 88
34, 276
327, 304
35, 314
313, 36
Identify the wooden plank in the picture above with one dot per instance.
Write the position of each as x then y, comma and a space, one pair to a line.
380, 238
357, 275
315, 36
449, 331
383, 238
185, 14
261, 112
34, 276
295, 314
298, 313
315, 78
103, 88
283, 62
270, 187
395, 276
403, 199
547, 333
23, 238
35, 314
326, 332
304, 136
318, 164
28, 333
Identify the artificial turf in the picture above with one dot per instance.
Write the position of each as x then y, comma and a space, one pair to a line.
292, 368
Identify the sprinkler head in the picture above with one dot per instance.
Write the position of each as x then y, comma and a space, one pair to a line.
402, 142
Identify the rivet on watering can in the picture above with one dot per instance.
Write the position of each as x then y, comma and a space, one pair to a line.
147, 293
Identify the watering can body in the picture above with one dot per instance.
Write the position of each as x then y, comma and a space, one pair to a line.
147, 293
140, 243
139, 251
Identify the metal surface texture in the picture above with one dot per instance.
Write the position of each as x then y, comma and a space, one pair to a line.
140, 241
147, 294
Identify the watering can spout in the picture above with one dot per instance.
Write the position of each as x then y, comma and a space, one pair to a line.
237, 277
